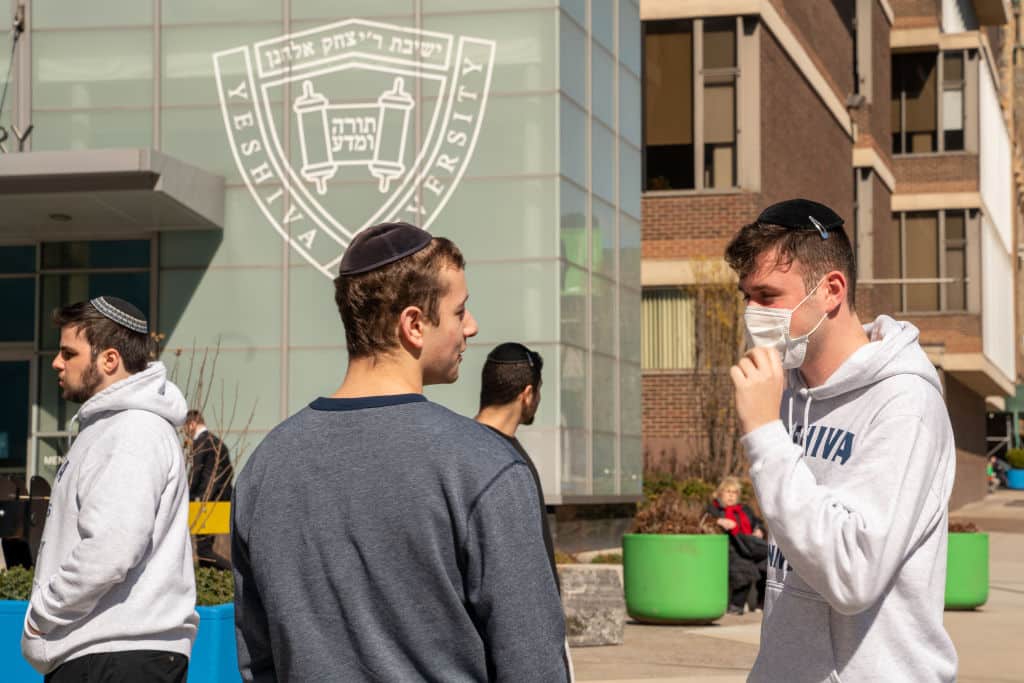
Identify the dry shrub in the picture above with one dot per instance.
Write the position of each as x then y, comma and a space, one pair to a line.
671, 513
963, 527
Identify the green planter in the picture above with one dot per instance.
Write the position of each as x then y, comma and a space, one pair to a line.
967, 571
676, 579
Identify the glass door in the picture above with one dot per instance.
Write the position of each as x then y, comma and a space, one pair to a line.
15, 403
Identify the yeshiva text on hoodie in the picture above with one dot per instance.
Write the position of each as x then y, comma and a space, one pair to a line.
114, 569
854, 487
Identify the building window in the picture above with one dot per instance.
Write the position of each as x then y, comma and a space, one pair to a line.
668, 332
18, 292
928, 97
70, 272
691, 70
933, 260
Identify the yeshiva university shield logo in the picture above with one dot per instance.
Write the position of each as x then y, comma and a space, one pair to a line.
340, 127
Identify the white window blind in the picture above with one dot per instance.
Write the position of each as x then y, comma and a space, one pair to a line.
669, 332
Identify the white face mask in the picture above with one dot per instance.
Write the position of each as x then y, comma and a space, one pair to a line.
770, 327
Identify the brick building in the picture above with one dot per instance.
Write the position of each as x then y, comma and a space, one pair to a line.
896, 113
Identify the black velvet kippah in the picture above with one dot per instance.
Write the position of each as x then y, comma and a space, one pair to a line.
122, 313
380, 245
511, 352
802, 214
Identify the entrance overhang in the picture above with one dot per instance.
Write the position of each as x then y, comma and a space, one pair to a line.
75, 194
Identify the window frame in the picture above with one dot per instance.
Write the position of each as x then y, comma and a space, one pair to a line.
943, 245
745, 49
968, 58
690, 291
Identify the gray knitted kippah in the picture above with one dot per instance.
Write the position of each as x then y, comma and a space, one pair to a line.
122, 313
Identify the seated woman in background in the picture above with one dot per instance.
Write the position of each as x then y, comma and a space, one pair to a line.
748, 551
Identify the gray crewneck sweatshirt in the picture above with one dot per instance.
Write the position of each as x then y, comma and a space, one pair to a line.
854, 487
389, 539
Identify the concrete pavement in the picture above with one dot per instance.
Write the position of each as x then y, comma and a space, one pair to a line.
725, 651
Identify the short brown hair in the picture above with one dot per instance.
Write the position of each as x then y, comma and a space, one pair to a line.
136, 348
817, 256
370, 303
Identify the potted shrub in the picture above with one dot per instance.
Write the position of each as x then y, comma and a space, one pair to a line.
1015, 475
966, 567
675, 563
214, 658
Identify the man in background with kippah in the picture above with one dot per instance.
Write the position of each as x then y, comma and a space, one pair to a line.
510, 396
114, 592
854, 480
379, 536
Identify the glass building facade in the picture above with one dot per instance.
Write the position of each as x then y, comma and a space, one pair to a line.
545, 206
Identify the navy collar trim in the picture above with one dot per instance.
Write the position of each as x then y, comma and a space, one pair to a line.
342, 404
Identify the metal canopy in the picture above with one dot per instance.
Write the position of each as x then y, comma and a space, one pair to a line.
76, 194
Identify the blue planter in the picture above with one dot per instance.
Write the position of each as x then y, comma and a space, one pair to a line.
12, 621
214, 658
1015, 479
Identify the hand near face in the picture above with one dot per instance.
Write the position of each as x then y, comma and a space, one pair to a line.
758, 379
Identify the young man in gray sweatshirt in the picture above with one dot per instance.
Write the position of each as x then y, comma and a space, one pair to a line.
114, 592
854, 480
377, 536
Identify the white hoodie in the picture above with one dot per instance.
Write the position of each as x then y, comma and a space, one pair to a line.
857, 509
114, 570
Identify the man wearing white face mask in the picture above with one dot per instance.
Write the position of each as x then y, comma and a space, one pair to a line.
854, 480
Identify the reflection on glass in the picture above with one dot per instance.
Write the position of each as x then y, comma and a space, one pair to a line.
668, 105
605, 472
914, 93
720, 133
17, 259
921, 260
19, 297
50, 453
54, 412
61, 290
631, 460
92, 69
96, 254
956, 261
719, 43
953, 101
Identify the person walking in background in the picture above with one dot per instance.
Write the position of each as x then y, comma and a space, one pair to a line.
854, 479
114, 592
209, 478
748, 551
509, 397
377, 535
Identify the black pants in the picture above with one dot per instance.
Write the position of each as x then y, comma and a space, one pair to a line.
132, 666
746, 580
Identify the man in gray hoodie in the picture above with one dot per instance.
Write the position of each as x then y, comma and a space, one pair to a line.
377, 536
854, 480
114, 591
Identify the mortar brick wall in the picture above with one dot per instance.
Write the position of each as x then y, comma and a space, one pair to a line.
826, 28
957, 332
937, 173
908, 10
805, 153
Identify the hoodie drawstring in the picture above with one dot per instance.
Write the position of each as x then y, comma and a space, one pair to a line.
807, 417
807, 426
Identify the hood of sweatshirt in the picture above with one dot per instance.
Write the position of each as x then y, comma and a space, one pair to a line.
149, 390
892, 350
